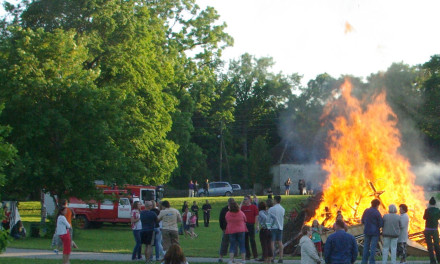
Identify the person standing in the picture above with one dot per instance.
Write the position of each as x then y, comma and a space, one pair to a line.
195, 210
251, 212
169, 217
136, 226
431, 217
191, 189
390, 232
236, 229
309, 255
196, 189
148, 220
265, 236
276, 224
157, 233
184, 206
62, 230
69, 215
316, 236
372, 221
206, 213
403, 236
206, 187
225, 238
287, 186
340, 247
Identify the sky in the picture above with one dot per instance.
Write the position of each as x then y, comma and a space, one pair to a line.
310, 37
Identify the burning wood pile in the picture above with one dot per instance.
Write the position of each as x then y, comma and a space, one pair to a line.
364, 164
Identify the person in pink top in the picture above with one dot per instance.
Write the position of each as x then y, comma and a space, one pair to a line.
236, 228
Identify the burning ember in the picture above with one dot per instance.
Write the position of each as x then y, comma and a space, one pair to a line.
364, 163
348, 28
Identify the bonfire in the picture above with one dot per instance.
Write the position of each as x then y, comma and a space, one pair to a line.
364, 163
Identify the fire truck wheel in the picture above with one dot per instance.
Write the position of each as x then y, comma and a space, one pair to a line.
83, 222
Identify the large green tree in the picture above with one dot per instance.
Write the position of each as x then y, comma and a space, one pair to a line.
83, 86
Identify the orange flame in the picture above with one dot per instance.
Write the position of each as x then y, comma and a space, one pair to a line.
363, 156
348, 28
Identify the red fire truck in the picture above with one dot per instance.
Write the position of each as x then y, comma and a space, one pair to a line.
116, 205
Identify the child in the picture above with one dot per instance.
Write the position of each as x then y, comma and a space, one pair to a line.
192, 225
316, 237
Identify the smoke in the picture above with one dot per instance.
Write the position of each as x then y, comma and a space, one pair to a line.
427, 174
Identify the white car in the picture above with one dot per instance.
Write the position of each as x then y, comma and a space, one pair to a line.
217, 189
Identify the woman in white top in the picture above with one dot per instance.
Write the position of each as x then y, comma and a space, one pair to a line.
309, 255
136, 226
63, 232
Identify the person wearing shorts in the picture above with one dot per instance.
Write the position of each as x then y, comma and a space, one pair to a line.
276, 224
148, 219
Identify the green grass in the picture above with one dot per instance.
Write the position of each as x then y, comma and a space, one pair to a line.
119, 238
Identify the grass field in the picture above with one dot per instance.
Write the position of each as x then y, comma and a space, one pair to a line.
119, 238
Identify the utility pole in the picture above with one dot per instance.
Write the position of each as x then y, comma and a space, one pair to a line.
221, 150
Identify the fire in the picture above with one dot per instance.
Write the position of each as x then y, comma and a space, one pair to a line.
364, 163
348, 28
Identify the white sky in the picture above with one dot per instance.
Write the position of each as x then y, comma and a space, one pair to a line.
307, 36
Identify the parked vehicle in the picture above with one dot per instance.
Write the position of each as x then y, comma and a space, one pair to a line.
115, 205
236, 187
217, 189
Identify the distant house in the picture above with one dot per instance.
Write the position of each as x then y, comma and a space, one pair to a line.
289, 166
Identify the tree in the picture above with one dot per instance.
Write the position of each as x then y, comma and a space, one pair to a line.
7, 152
430, 124
85, 95
259, 94
260, 162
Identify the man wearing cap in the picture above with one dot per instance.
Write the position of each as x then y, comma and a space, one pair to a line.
431, 216
372, 221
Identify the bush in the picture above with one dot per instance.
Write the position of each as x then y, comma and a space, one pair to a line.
4, 240
50, 226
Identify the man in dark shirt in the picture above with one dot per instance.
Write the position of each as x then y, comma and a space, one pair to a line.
340, 247
195, 210
372, 221
148, 220
225, 238
206, 213
431, 216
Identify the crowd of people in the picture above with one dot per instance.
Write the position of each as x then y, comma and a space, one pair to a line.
341, 247
158, 225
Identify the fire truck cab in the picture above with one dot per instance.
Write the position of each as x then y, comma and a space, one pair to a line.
115, 206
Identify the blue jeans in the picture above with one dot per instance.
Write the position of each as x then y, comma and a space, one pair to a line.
234, 239
158, 243
138, 247
370, 244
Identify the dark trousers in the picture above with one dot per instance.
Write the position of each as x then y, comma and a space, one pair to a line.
206, 216
197, 218
265, 239
432, 243
250, 237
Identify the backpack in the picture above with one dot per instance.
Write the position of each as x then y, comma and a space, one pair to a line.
193, 219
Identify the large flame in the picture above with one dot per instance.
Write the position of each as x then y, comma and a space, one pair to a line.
364, 163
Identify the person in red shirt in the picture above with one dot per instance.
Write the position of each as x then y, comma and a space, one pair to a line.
251, 212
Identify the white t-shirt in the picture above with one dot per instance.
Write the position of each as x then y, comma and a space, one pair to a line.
136, 215
276, 217
62, 225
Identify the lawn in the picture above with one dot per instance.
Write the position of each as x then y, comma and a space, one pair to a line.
119, 238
